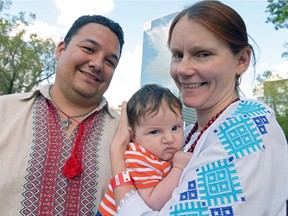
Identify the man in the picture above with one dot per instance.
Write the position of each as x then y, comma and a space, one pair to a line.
54, 141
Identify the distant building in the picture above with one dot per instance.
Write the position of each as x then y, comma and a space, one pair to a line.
275, 77
274, 92
259, 91
156, 60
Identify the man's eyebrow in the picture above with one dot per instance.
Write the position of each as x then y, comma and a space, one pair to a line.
90, 41
95, 43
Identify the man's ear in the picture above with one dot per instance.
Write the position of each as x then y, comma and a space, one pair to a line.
243, 58
59, 49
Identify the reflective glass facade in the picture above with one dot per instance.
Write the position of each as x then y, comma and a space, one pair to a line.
156, 59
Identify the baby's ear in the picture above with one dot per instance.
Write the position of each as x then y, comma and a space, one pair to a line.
132, 134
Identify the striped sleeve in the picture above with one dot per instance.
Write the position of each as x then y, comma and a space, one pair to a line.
144, 168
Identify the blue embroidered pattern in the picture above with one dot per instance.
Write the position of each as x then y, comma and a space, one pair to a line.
189, 208
260, 121
239, 136
223, 211
191, 193
249, 108
217, 185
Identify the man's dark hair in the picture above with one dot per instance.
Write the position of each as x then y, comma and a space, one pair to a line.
83, 20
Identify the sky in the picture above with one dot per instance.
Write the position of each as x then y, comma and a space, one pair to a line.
54, 18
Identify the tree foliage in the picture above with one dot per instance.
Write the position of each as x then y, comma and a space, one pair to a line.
278, 16
276, 96
278, 13
4, 4
25, 59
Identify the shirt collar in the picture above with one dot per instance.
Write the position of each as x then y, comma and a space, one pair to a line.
44, 90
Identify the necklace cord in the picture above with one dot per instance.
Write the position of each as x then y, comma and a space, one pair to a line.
195, 127
68, 120
73, 166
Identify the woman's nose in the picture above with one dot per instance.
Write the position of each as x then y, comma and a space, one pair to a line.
186, 67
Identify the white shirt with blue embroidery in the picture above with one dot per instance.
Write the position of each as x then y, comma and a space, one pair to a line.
239, 167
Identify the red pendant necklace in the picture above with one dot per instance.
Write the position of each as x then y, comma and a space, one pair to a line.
73, 166
194, 129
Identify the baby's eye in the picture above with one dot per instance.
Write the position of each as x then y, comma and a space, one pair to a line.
154, 132
175, 128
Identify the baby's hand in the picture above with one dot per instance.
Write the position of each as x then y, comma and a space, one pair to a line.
181, 159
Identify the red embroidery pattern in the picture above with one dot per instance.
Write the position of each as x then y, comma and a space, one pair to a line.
46, 190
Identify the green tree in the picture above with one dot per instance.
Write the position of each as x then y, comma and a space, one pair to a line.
278, 16
24, 61
276, 96
4, 4
278, 13
278, 10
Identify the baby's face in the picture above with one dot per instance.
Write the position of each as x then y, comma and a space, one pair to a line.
160, 134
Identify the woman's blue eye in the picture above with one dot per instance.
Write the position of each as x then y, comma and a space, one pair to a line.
177, 56
204, 54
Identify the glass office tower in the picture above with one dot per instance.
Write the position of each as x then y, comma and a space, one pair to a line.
156, 59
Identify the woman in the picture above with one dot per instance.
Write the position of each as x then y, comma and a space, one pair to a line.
240, 156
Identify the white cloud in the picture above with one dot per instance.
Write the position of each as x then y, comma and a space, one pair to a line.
41, 29
248, 80
69, 12
72, 9
281, 69
247, 83
126, 79
262, 67
44, 30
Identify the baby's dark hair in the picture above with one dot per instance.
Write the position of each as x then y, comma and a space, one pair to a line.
148, 99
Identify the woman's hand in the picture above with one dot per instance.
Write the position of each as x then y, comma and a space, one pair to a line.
118, 147
122, 135
120, 142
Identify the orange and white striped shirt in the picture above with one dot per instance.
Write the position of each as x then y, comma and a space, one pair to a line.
144, 168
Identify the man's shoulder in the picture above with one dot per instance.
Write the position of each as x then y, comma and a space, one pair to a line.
17, 100
113, 112
17, 97
110, 110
